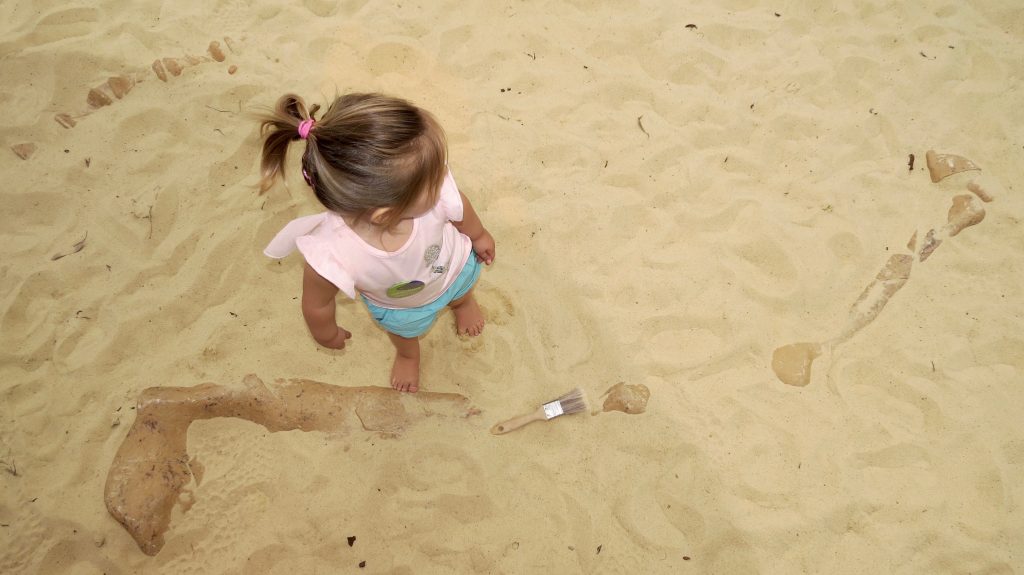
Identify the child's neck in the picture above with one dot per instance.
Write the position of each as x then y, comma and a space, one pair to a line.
387, 239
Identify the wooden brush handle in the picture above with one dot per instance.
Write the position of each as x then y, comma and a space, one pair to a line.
517, 422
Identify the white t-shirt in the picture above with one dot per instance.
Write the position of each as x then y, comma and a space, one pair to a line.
414, 275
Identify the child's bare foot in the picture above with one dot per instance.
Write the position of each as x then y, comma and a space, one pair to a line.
405, 374
469, 318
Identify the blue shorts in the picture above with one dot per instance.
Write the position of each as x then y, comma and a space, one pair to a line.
415, 321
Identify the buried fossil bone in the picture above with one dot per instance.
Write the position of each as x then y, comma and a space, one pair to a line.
964, 213
117, 87
941, 166
979, 191
792, 363
627, 398
25, 150
152, 466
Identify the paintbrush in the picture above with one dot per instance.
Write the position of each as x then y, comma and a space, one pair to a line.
573, 402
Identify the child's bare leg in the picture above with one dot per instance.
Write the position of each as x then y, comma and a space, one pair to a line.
405, 373
469, 319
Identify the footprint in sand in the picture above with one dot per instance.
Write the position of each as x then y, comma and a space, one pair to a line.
151, 468
117, 87
792, 363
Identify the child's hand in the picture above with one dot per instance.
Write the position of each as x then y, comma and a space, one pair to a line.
338, 341
483, 245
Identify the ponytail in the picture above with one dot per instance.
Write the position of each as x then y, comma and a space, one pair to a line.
368, 151
278, 129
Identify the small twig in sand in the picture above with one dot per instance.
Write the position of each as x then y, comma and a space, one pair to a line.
74, 249
640, 123
218, 109
910, 163
12, 468
149, 212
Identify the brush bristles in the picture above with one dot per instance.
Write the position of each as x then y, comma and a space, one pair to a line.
573, 402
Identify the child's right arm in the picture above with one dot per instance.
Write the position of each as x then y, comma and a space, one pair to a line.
318, 309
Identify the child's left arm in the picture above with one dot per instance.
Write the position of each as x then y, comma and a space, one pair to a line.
483, 243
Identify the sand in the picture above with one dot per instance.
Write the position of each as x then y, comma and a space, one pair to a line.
676, 193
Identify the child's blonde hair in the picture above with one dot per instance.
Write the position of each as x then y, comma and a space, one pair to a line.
368, 151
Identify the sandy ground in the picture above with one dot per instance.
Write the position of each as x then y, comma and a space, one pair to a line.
676, 191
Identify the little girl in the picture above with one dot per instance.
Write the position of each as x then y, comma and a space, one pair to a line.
397, 231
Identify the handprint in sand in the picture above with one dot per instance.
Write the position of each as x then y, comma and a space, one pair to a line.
792, 363
117, 87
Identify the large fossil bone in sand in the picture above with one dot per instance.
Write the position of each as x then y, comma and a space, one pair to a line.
152, 467
792, 363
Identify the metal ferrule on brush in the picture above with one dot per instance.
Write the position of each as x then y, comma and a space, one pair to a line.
553, 409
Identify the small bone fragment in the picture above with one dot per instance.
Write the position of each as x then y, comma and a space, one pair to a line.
158, 69
928, 245
965, 212
630, 399
120, 85
24, 151
98, 99
943, 165
215, 51
65, 120
979, 191
792, 363
173, 66
872, 300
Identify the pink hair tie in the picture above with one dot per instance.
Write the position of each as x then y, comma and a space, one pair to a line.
304, 127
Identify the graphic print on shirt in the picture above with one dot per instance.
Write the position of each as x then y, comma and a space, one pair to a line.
406, 289
430, 256
431, 253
